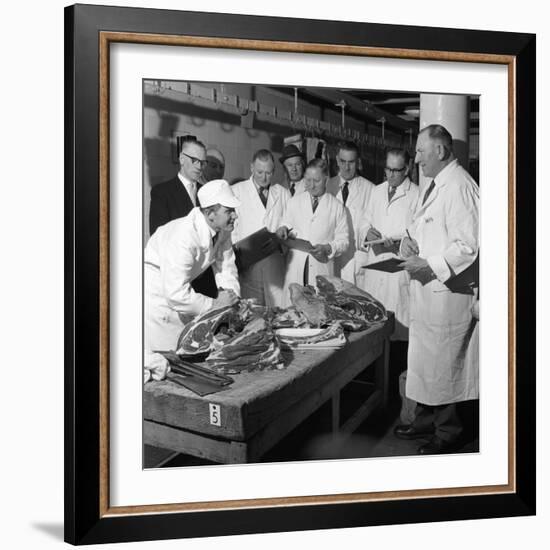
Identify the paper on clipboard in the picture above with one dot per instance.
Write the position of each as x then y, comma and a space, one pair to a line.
392, 265
297, 244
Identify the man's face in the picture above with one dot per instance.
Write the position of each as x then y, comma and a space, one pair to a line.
427, 155
294, 168
396, 170
215, 167
315, 182
223, 219
347, 162
192, 159
262, 172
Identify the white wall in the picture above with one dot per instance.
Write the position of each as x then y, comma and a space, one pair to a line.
31, 295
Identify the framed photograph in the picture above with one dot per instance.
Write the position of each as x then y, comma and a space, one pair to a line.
305, 442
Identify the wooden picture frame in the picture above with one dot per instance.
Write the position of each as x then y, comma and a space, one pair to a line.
89, 516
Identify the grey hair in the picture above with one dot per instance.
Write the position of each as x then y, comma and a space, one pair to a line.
263, 155
439, 133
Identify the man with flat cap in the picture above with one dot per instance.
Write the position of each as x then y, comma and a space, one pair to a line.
293, 162
177, 253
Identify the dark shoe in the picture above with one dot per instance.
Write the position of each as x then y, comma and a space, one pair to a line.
436, 446
408, 431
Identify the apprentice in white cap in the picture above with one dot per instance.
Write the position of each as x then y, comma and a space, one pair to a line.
180, 251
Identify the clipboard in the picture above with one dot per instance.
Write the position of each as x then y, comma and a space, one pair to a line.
391, 265
297, 244
254, 248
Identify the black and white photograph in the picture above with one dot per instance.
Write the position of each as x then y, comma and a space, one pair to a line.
310, 273
278, 232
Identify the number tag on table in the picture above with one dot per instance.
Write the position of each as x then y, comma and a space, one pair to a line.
215, 414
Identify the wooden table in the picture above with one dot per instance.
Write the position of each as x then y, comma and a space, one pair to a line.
244, 421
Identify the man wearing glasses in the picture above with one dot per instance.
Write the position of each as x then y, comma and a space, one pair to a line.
354, 191
390, 211
175, 198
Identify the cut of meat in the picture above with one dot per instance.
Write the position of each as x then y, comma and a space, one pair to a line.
337, 300
198, 335
255, 348
310, 304
353, 300
288, 318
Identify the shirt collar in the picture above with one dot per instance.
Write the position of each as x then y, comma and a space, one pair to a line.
342, 180
440, 178
186, 182
405, 185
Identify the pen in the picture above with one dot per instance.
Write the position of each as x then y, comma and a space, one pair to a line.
408, 234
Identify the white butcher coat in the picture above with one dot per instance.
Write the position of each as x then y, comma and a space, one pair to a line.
328, 225
175, 255
264, 280
299, 187
348, 265
391, 219
443, 360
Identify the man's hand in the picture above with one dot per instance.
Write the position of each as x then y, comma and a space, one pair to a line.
282, 232
373, 235
419, 269
409, 247
321, 252
225, 298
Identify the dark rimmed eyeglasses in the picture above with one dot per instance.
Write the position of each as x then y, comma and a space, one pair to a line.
195, 160
395, 170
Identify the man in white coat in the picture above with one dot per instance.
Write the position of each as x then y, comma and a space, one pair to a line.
262, 204
389, 212
354, 191
319, 218
176, 254
443, 357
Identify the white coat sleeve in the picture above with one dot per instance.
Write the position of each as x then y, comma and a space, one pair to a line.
236, 233
462, 222
287, 219
176, 265
341, 240
225, 270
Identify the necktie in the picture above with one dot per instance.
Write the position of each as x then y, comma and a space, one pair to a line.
263, 192
315, 203
345, 192
214, 239
391, 193
292, 189
429, 190
193, 193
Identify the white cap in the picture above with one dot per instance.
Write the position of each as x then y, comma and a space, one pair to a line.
217, 192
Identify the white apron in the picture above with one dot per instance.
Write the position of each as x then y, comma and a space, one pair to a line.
264, 280
443, 359
327, 225
349, 264
391, 219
